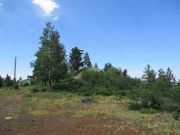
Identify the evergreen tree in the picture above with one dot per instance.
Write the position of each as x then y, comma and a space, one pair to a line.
50, 65
107, 66
76, 59
87, 61
8, 82
125, 73
149, 76
165, 80
161, 81
96, 65
1, 82
170, 78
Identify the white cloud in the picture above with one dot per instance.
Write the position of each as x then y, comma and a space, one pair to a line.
47, 6
1, 3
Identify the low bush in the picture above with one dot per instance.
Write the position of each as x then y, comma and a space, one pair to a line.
29, 94
26, 84
16, 87
135, 106
150, 93
148, 111
44, 89
176, 115
34, 90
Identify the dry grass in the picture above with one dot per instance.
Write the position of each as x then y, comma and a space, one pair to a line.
66, 104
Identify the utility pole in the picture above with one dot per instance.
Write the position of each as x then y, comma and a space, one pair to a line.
15, 72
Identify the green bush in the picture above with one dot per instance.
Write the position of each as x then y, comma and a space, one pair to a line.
176, 115
135, 106
85, 91
148, 111
34, 90
98, 82
112, 82
149, 94
59, 86
44, 89
103, 91
16, 87
29, 94
170, 106
25, 85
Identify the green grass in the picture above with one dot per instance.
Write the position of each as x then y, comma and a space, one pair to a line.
4, 92
60, 104
64, 104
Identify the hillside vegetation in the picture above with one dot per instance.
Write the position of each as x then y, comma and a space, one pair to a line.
58, 85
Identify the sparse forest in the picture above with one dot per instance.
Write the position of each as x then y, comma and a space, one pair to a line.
89, 67
54, 70
155, 90
60, 80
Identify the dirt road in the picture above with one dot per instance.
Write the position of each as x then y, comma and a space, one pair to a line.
10, 103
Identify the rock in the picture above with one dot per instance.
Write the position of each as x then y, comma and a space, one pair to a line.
87, 100
8, 118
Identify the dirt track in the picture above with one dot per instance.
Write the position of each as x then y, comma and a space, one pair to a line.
10, 103
49, 125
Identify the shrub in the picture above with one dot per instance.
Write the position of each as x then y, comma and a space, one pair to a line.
44, 89
16, 87
85, 91
29, 94
176, 115
108, 83
170, 106
102, 91
135, 106
34, 90
148, 111
26, 84
59, 86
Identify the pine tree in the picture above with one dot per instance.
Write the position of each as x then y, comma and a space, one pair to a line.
107, 66
96, 66
8, 81
1, 82
76, 59
87, 61
170, 78
125, 73
50, 64
149, 76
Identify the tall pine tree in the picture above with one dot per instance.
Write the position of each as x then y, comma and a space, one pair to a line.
8, 81
149, 77
96, 66
50, 65
87, 61
1, 82
76, 59
107, 66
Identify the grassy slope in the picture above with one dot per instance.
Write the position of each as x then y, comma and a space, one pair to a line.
66, 104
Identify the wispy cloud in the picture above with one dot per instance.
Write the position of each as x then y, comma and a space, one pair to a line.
55, 17
48, 7
1, 3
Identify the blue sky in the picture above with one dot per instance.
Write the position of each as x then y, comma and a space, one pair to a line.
128, 33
